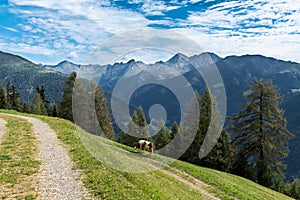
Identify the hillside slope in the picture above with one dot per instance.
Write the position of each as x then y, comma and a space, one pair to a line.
26, 76
180, 180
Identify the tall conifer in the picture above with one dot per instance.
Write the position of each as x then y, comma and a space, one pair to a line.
261, 135
65, 106
3, 99
103, 114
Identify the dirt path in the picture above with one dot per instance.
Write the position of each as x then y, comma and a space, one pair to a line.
56, 179
2, 128
195, 184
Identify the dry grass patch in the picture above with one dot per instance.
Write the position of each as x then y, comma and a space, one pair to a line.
18, 166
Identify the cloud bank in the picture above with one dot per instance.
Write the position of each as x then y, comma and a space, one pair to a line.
57, 30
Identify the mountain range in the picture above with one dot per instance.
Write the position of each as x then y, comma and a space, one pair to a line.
237, 73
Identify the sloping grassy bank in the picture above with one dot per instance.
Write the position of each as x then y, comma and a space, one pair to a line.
227, 185
106, 183
231, 184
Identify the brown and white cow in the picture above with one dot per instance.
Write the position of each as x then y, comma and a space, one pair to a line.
144, 145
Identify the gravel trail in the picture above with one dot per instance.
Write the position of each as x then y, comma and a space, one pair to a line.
56, 179
2, 128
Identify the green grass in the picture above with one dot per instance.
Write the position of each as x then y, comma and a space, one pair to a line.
231, 184
105, 182
17, 160
108, 183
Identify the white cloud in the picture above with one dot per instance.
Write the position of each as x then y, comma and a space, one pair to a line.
26, 48
285, 47
10, 29
156, 7
248, 27
73, 55
75, 25
148, 56
74, 28
242, 14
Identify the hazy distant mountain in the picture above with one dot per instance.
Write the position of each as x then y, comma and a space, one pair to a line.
27, 75
64, 67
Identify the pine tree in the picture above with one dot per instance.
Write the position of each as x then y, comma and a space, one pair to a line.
65, 106
137, 129
174, 129
27, 108
261, 135
127, 139
189, 125
13, 97
220, 157
162, 138
176, 144
42, 93
39, 107
205, 112
208, 128
103, 114
83, 95
293, 189
221, 154
52, 110
3, 99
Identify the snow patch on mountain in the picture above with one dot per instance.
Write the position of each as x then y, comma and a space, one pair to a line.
295, 90
285, 71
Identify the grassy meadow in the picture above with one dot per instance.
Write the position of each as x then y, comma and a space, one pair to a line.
99, 162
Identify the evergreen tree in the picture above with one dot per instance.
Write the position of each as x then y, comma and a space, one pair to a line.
52, 110
65, 106
13, 97
42, 93
27, 108
261, 134
91, 112
137, 127
83, 100
127, 139
162, 138
39, 107
174, 129
3, 99
191, 154
103, 114
177, 144
293, 189
221, 155
206, 111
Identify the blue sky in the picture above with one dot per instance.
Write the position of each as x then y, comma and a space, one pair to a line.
49, 31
